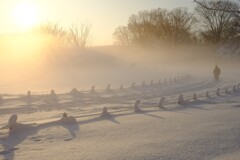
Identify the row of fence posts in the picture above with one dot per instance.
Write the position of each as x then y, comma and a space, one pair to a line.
235, 88
75, 92
161, 102
136, 106
180, 100
133, 85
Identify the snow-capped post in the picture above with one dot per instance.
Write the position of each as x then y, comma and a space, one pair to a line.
159, 81
105, 112
143, 84
108, 88
74, 92
218, 92
92, 89
68, 119
181, 99
28, 94
194, 96
226, 91
1, 99
28, 98
53, 95
121, 87
136, 106
207, 94
133, 85
52, 92
234, 88
151, 83
12, 122
161, 101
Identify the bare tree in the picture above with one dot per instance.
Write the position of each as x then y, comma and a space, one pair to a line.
80, 36
155, 26
140, 27
216, 25
236, 11
181, 22
159, 19
54, 30
123, 36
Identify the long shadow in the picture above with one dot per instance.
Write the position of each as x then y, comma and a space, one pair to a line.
72, 129
112, 117
22, 131
90, 121
191, 104
196, 104
100, 118
15, 137
141, 112
151, 115
188, 106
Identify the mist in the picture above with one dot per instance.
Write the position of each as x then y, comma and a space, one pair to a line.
29, 64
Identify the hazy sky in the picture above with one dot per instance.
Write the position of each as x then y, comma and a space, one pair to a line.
103, 15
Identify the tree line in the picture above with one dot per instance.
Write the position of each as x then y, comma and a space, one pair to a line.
211, 22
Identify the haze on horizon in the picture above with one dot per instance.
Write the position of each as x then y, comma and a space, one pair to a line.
40, 60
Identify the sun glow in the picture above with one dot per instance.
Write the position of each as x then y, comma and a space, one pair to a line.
26, 15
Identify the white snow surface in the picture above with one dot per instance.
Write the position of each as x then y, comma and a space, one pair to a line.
208, 128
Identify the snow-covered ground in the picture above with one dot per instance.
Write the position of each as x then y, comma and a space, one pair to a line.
207, 128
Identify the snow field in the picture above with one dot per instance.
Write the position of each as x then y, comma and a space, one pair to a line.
205, 128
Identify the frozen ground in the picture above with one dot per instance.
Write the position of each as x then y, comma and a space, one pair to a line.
204, 129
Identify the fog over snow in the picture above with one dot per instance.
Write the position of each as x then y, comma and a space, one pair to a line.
24, 69
132, 80
204, 128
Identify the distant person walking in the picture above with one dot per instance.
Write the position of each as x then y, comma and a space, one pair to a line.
216, 72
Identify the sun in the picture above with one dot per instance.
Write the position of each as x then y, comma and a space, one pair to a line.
25, 15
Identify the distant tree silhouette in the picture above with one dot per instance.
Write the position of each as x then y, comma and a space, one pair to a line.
216, 21
181, 22
235, 11
157, 25
123, 36
79, 36
54, 30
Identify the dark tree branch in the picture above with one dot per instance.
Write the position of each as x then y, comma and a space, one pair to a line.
216, 9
